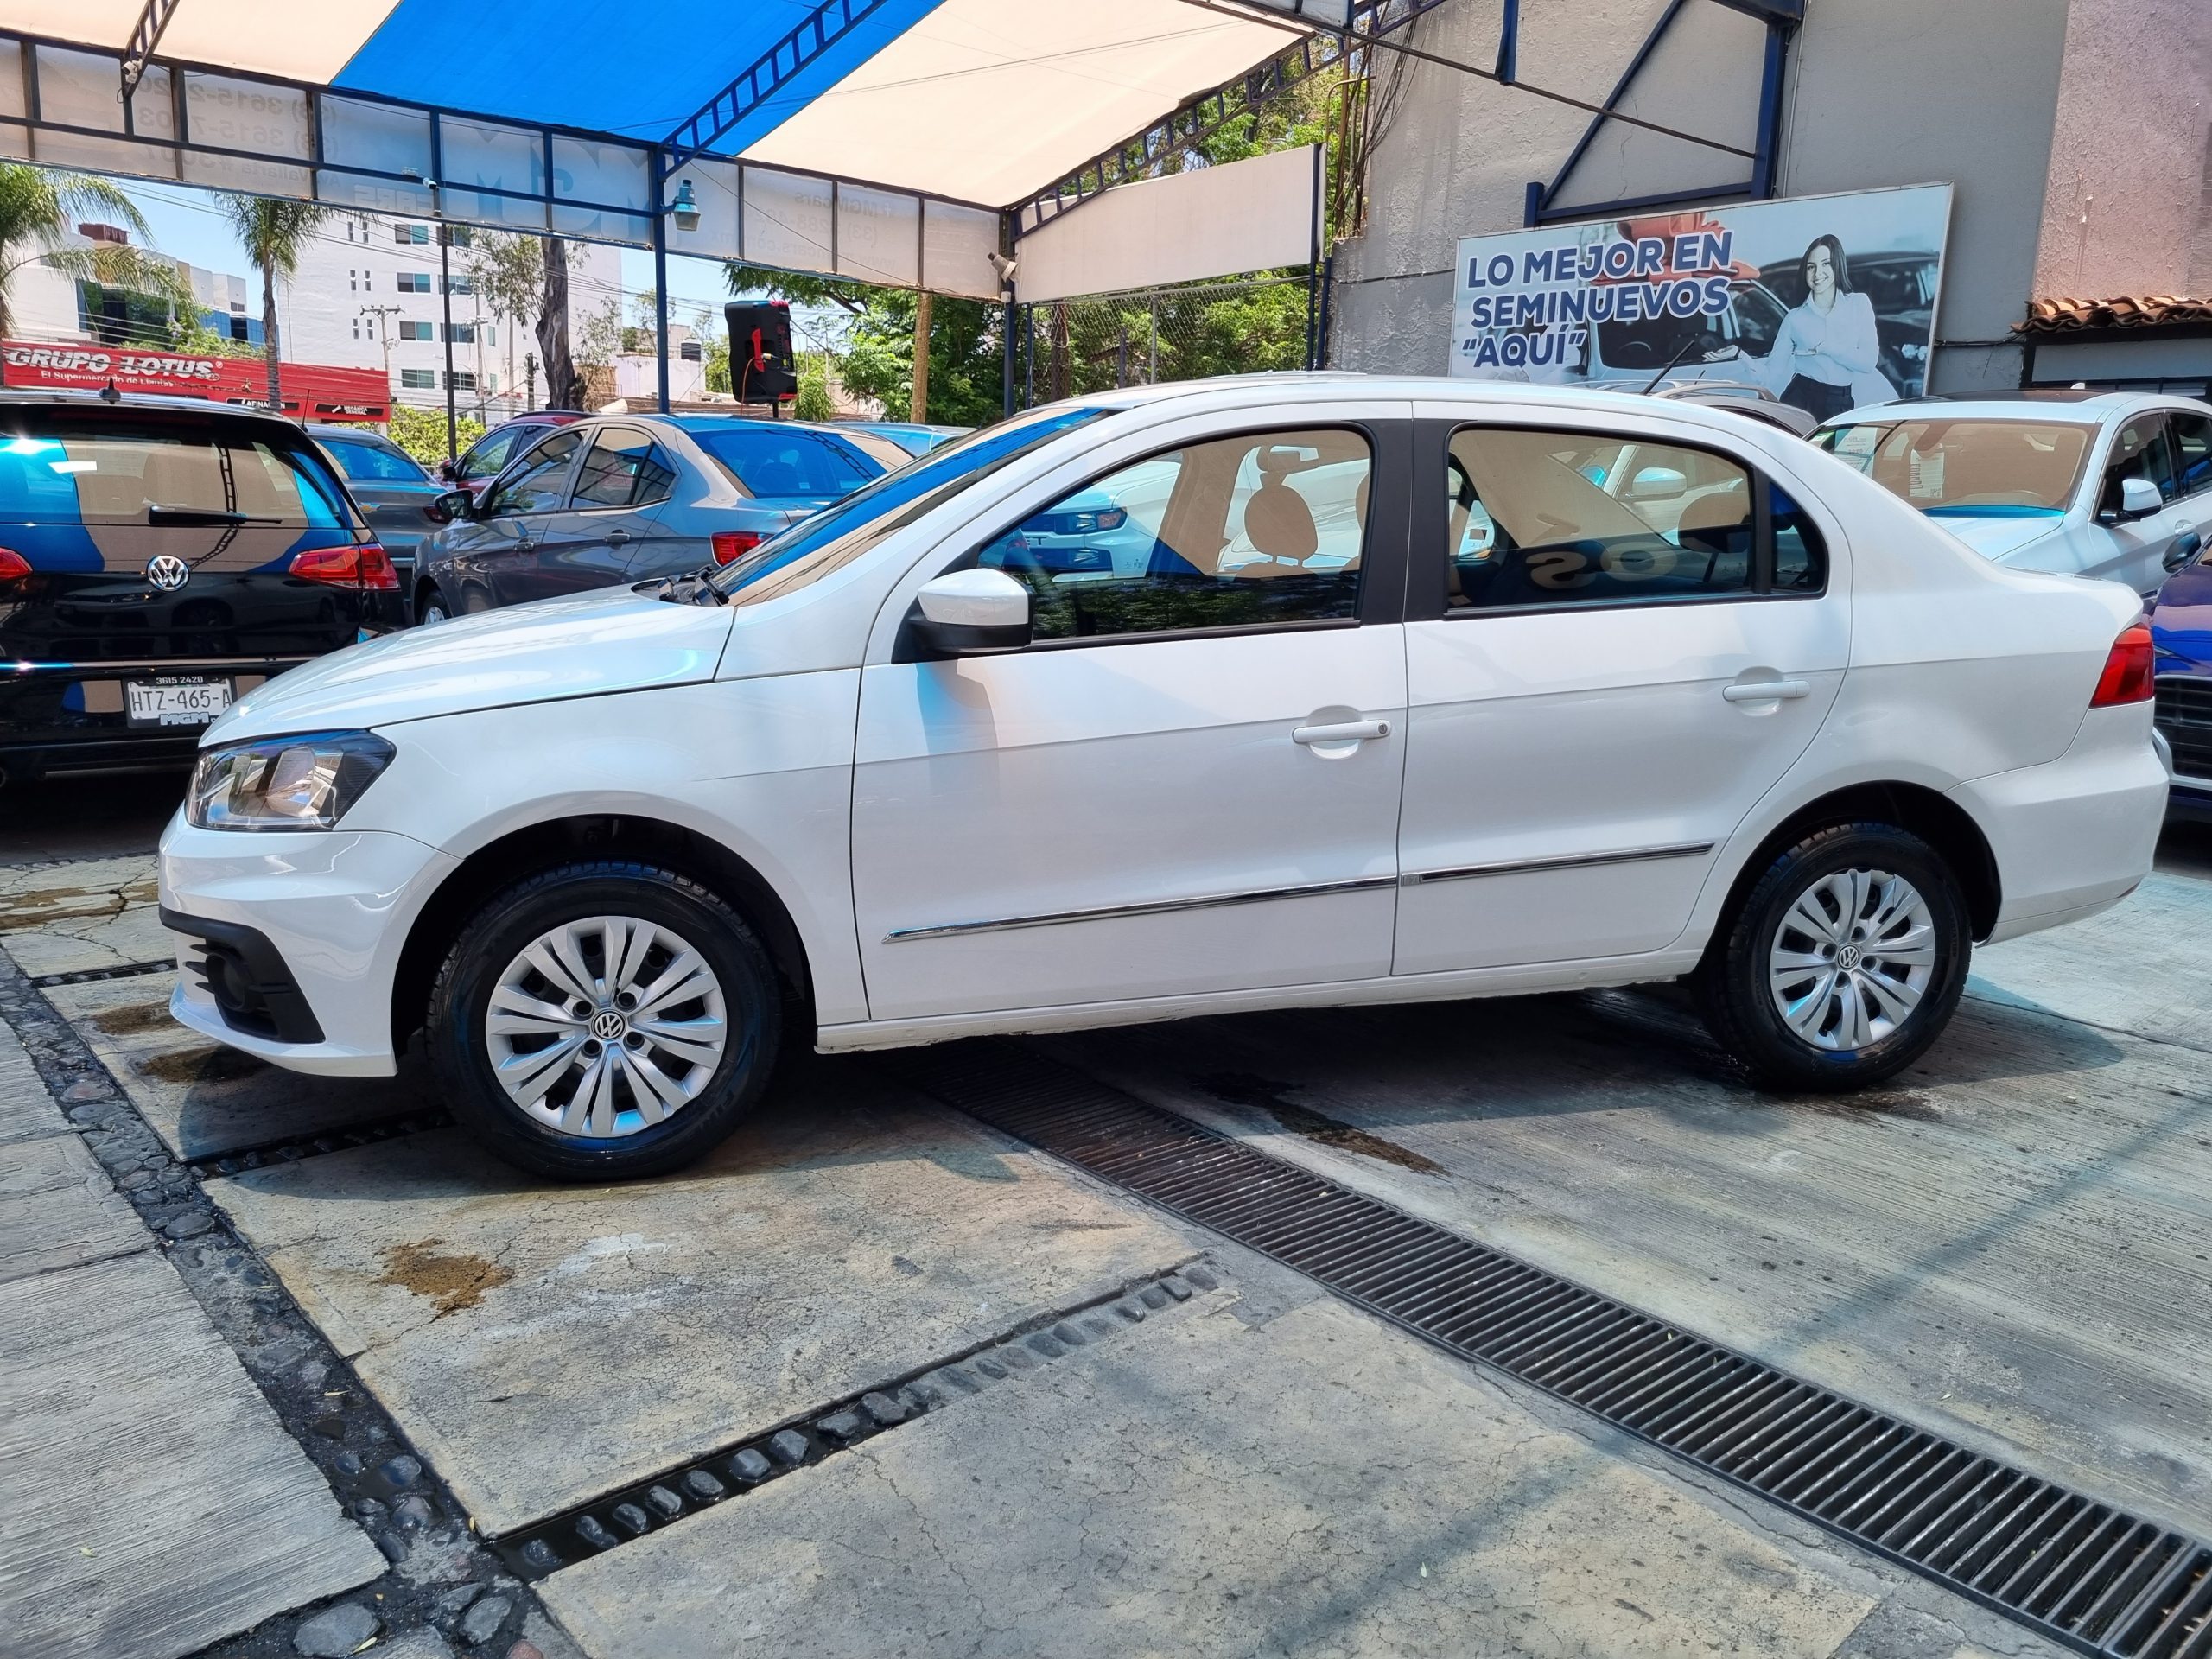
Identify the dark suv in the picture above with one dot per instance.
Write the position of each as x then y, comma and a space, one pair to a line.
158, 557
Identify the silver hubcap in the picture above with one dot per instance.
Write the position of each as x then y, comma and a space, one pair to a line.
605, 1026
1853, 958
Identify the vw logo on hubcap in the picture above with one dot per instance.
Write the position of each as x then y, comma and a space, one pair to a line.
168, 572
1846, 956
609, 1026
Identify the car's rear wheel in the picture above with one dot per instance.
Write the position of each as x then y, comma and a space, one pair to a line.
602, 1022
1842, 962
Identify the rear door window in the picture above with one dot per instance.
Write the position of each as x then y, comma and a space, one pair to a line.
623, 469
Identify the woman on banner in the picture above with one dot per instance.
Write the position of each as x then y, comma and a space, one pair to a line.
1827, 349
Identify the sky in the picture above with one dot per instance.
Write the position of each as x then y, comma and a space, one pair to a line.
188, 223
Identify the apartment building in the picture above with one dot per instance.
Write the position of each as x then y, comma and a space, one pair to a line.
371, 293
45, 304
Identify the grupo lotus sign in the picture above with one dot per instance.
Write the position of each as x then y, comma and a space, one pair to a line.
311, 391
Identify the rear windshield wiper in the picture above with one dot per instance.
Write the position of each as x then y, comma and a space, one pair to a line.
190, 518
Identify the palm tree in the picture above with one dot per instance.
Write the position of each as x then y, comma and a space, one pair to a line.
38, 207
274, 232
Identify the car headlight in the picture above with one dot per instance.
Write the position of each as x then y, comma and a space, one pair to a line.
304, 782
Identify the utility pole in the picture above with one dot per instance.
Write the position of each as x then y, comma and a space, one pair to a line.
380, 318
920, 409
445, 299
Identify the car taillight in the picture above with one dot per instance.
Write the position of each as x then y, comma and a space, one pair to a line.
2127, 677
13, 567
364, 565
730, 545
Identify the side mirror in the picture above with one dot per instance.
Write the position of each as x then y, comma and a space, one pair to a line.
446, 473
454, 504
967, 611
1655, 484
2140, 498
2183, 548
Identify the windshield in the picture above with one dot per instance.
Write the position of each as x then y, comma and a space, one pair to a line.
374, 463
1977, 469
789, 461
814, 547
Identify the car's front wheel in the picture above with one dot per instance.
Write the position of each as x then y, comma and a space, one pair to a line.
604, 1021
432, 609
1842, 962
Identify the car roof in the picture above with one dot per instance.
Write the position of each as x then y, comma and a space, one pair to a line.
325, 430
723, 423
72, 398
2069, 405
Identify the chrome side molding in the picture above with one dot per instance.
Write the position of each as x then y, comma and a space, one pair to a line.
1568, 862
1158, 907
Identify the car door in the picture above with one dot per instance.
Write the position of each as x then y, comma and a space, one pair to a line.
1595, 703
513, 514
2133, 550
1189, 781
2190, 433
612, 510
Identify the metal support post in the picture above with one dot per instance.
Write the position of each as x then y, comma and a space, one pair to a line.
445, 300
660, 272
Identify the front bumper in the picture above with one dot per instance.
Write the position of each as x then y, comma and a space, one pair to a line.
331, 910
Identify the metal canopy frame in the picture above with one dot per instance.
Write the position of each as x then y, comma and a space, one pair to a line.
1781, 17
150, 133
1200, 118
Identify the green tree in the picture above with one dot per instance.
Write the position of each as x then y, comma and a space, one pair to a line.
812, 402
422, 432
509, 273
273, 233
39, 208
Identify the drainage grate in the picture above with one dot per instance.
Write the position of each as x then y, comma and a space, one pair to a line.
610, 1521
2084, 1572
291, 1150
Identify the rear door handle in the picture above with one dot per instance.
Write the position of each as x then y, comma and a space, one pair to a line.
1765, 690
1348, 731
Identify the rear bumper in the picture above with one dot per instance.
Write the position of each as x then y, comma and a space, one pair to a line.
71, 716
2075, 836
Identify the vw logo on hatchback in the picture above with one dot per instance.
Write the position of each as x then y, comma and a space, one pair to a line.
168, 572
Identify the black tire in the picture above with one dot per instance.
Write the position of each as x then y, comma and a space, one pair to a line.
497, 935
1733, 982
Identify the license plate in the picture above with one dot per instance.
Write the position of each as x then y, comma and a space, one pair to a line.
177, 701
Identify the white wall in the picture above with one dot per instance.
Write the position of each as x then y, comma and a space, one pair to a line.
2126, 212
1879, 93
353, 263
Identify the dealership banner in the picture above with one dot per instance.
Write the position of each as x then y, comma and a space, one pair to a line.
311, 391
1826, 302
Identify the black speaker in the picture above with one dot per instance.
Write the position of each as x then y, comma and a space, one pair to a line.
760, 367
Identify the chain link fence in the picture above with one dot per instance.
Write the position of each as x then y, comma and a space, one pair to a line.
1067, 347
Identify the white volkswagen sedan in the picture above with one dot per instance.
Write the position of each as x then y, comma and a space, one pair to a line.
2115, 484
1422, 689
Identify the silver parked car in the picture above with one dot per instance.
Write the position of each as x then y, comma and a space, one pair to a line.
627, 497
394, 492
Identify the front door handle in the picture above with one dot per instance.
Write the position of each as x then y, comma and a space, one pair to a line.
1347, 731
618, 537
1765, 690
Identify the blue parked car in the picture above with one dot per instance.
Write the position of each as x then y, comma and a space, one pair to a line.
2181, 634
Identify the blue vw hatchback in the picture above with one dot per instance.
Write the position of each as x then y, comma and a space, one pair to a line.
158, 558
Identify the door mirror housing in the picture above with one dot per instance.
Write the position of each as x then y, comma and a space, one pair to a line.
2183, 548
2140, 498
454, 504
1655, 484
964, 611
